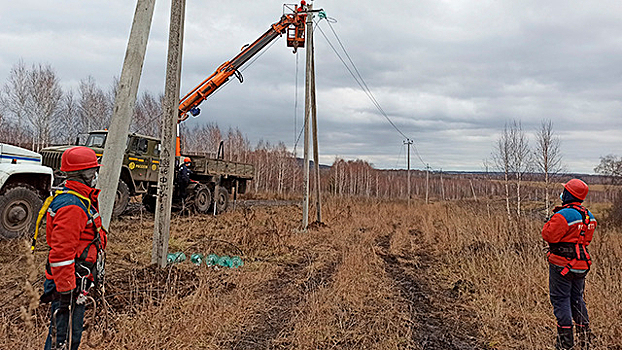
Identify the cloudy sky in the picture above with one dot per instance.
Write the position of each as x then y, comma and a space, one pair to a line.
449, 74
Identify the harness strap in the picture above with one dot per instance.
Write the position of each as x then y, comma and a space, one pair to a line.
96, 239
46, 206
580, 249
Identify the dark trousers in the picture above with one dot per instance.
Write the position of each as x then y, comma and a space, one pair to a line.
566, 294
62, 321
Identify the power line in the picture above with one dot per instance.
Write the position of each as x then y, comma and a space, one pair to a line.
361, 82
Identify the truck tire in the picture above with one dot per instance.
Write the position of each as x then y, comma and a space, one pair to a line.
19, 207
149, 201
222, 200
202, 199
121, 199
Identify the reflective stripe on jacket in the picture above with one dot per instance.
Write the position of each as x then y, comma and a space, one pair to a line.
69, 230
565, 226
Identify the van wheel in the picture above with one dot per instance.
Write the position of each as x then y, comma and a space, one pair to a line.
121, 199
19, 207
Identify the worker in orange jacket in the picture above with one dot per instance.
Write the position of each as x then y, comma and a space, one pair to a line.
569, 232
77, 242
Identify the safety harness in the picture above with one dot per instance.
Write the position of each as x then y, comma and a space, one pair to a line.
573, 252
83, 268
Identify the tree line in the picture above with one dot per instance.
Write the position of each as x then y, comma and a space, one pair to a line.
36, 111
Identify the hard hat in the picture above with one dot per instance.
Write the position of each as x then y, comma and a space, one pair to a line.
577, 188
78, 158
187, 160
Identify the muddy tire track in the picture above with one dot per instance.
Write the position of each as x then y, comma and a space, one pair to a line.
431, 328
271, 327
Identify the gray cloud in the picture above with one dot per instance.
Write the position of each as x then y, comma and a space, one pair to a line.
449, 74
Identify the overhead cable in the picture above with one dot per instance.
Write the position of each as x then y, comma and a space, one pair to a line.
360, 81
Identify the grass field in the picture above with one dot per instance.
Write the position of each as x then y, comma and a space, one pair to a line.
375, 275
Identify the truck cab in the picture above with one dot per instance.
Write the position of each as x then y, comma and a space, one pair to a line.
24, 183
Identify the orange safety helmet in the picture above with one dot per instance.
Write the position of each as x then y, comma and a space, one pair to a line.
78, 158
187, 160
577, 188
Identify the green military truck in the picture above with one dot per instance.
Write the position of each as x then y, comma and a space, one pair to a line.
213, 181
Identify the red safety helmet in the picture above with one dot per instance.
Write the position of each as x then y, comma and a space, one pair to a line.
187, 160
577, 188
78, 158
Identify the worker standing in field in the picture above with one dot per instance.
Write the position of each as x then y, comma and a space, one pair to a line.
77, 242
183, 178
569, 232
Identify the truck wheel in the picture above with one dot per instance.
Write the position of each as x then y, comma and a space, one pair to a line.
121, 199
202, 199
19, 207
222, 200
149, 201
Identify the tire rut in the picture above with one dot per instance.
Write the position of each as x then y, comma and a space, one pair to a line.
430, 329
271, 328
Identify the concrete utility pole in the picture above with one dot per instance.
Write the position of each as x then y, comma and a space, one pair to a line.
316, 150
124, 102
161, 229
427, 183
308, 111
408, 142
442, 186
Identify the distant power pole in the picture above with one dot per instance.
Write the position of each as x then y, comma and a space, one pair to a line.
442, 186
427, 183
161, 228
408, 142
124, 103
308, 112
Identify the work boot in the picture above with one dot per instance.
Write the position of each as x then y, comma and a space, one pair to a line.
584, 337
565, 340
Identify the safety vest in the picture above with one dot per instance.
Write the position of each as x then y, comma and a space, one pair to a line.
83, 268
573, 252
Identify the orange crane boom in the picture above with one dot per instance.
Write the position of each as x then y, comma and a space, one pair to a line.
293, 23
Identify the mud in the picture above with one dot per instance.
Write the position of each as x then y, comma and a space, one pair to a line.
430, 309
271, 328
269, 324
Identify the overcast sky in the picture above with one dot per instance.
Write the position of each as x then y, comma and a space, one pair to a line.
449, 74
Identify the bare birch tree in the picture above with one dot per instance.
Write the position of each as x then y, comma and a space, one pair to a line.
68, 120
548, 158
502, 156
94, 105
14, 98
520, 159
147, 115
44, 103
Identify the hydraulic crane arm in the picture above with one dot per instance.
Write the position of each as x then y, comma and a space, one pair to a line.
293, 23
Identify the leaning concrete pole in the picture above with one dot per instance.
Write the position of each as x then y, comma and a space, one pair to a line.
308, 104
161, 229
124, 102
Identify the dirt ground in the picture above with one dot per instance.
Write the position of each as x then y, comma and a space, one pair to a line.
371, 276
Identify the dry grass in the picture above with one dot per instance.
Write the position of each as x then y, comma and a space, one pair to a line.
378, 275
